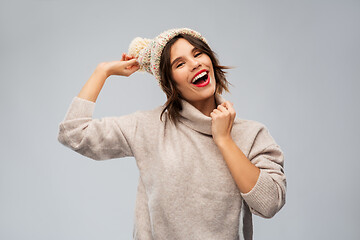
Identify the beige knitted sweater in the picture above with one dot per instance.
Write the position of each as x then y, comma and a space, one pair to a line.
185, 190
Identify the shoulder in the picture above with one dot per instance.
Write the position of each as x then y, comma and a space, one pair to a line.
248, 126
149, 117
150, 113
247, 132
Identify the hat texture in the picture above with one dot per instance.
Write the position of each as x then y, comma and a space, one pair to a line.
148, 51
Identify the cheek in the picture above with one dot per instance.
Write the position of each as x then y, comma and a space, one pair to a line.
179, 77
175, 77
207, 60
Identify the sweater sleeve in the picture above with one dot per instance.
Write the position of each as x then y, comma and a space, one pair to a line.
267, 197
98, 139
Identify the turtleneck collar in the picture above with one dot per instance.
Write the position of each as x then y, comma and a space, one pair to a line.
196, 120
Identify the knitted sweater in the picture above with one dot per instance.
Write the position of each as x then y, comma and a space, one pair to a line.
185, 189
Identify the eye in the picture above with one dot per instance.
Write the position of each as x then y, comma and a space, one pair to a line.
179, 65
198, 54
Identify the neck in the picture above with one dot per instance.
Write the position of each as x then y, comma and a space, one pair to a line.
205, 106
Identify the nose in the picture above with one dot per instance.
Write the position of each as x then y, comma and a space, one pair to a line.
195, 63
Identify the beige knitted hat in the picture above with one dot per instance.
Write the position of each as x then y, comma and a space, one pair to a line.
148, 51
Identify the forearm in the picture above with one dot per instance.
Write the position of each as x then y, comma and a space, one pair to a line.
93, 86
243, 171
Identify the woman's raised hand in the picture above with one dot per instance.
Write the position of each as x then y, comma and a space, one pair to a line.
222, 121
125, 67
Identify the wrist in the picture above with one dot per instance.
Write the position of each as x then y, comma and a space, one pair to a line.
223, 141
103, 68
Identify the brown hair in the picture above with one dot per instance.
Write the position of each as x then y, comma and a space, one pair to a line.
173, 104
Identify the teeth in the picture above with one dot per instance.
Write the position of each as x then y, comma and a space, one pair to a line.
199, 76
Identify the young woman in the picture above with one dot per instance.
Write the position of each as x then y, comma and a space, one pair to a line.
203, 172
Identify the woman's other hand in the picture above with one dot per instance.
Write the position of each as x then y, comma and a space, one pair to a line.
125, 67
222, 121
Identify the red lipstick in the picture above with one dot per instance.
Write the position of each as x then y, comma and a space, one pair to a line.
207, 81
201, 71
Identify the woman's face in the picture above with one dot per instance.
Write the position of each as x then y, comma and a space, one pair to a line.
192, 71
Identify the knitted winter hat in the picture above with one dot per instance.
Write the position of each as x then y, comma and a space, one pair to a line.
148, 51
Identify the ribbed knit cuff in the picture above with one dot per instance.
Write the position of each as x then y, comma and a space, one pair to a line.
80, 108
263, 195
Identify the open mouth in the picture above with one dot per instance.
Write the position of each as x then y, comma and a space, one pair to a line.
201, 80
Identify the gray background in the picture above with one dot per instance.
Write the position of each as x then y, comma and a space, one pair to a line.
297, 71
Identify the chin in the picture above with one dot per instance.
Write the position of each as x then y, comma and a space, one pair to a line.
203, 95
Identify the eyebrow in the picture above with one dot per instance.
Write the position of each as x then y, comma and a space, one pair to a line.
178, 58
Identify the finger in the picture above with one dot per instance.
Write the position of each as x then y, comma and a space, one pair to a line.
133, 69
227, 104
230, 108
128, 57
216, 111
123, 57
222, 108
131, 63
224, 105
